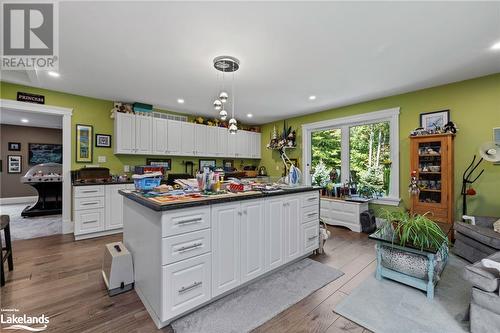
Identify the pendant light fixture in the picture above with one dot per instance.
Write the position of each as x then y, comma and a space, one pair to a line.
226, 64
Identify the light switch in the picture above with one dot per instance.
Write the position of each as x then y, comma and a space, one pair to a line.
126, 168
101, 159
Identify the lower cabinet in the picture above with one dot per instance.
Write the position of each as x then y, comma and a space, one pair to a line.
292, 222
342, 213
275, 235
226, 220
186, 284
253, 240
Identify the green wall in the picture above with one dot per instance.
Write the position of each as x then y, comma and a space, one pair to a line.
96, 112
474, 107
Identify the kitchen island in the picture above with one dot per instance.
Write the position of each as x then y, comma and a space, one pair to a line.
189, 253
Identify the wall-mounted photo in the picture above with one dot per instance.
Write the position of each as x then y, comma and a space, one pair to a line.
15, 146
166, 163
103, 140
39, 153
228, 164
84, 143
14, 163
434, 120
207, 163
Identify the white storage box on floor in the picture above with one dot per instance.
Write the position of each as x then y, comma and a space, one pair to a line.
117, 269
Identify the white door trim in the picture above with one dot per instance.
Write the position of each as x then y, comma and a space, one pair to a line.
66, 113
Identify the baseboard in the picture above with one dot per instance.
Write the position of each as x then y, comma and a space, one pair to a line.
98, 234
18, 200
68, 227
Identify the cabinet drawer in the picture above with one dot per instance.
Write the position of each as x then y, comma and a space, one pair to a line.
310, 213
311, 199
185, 246
88, 191
88, 203
185, 285
311, 236
90, 220
185, 220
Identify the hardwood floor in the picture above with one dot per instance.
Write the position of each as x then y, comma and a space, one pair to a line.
61, 278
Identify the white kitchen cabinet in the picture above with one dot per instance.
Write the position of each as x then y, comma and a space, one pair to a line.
124, 127
255, 139
231, 144
225, 247
275, 224
200, 140
187, 139
293, 228
342, 213
213, 141
113, 204
143, 134
160, 136
222, 142
241, 144
174, 137
253, 240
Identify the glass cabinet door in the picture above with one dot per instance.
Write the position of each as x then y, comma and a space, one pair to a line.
429, 172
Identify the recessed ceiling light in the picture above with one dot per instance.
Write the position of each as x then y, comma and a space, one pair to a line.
24, 120
495, 46
312, 98
180, 101
249, 115
54, 74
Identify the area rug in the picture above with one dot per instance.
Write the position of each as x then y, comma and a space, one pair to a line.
30, 227
260, 301
390, 307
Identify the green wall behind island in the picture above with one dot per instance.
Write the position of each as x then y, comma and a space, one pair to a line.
96, 112
474, 107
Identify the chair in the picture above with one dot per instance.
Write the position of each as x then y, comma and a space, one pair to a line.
485, 297
475, 242
6, 252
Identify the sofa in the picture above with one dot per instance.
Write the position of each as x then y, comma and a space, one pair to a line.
485, 297
475, 242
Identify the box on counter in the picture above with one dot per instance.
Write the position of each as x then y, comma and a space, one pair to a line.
143, 169
142, 108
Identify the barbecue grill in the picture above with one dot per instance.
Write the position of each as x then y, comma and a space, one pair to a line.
46, 178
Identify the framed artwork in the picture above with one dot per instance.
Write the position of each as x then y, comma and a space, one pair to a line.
228, 164
44, 153
14, 163
103, 140
84, 143
15, 146
434, 120
206, 163
166, 163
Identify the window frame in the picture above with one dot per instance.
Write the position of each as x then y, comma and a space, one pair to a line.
344, 123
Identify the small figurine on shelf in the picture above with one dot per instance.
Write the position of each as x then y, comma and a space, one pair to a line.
450, 128
413, 188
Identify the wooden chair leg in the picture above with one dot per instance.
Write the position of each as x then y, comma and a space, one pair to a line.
8, 245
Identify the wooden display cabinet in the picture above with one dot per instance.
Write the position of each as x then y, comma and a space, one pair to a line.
432, 159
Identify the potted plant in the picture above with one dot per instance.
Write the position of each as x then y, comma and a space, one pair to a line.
414, 230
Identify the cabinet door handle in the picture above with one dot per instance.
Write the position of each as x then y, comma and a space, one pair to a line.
90, 203
91, 221
189, 247
196, 220
312, 214
194, 285
89, 191
312, 237
311, 199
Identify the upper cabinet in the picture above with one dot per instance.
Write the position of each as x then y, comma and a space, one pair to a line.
143, 135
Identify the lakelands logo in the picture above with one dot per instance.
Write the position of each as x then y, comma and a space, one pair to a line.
16, 321
30, 36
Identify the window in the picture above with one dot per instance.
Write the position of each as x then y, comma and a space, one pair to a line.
362, 150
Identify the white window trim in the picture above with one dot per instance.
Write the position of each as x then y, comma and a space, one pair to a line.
390, 115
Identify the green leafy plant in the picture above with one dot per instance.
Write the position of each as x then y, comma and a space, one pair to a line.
321, 175
415, 230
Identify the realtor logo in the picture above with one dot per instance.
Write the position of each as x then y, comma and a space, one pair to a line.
29, 36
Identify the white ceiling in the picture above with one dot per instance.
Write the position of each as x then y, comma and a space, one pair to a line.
35, 119
157, 52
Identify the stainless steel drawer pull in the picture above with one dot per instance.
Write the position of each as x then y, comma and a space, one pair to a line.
311, 199
90, 191
194, 285
312, 214
92, 221
197, 220
90, 203
190, 247
312, 237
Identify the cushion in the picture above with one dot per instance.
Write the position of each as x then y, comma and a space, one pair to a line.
489, 301
484, 235
483, 278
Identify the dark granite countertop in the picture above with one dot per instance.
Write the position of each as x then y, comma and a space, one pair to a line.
137, 197
103, 183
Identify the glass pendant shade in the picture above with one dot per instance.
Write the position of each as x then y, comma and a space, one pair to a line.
232, 121
217, 105
233, 129
223, 96
223, 115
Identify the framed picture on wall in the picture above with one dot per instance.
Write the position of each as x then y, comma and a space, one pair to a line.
84, 144
103, 140
434, 120
14, 163
166, 163
228, 164
206, 163
15, 146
